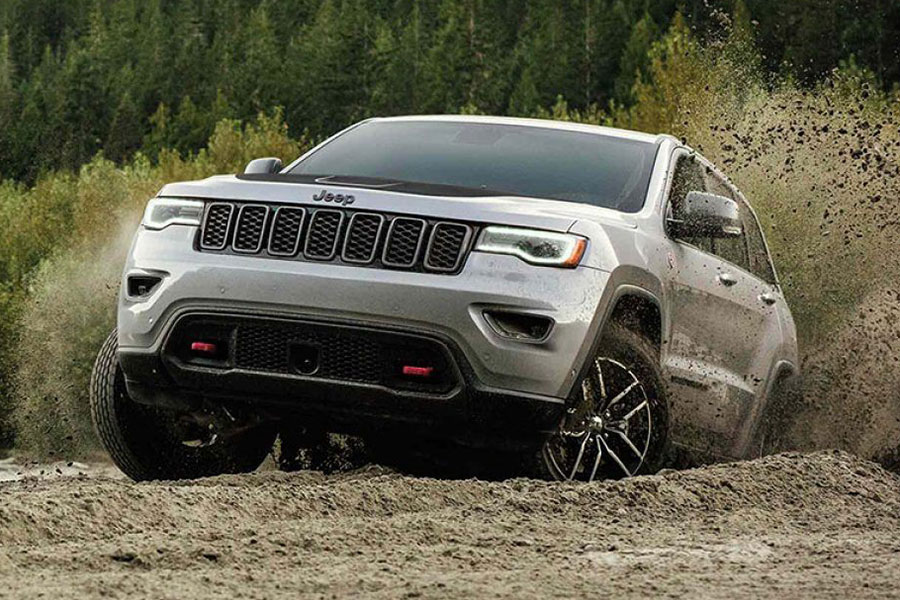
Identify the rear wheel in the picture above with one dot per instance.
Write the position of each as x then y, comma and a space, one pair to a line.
147, 442
771, 433
618, 427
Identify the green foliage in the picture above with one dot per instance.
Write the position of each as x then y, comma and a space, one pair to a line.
124, 76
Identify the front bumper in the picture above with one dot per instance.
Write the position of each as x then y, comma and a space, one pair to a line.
449, 307
455, 404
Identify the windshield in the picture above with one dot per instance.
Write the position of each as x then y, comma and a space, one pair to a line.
507, 159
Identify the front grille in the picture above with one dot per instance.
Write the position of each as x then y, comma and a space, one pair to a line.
286, 228
361, 240
216, 226
404, 241
264, 347
339, 236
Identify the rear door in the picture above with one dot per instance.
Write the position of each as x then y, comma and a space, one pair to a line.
717, 325
773, 343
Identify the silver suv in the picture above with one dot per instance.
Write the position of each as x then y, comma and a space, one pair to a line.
587, 299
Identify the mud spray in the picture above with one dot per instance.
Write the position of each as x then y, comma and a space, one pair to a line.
822, 168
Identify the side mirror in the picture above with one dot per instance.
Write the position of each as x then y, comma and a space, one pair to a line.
707, 215
263, 166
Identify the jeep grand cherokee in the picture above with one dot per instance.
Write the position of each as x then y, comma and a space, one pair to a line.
585, 297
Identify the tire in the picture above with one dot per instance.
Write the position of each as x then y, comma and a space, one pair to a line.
301, 448
143, 442
771, 432
590, 442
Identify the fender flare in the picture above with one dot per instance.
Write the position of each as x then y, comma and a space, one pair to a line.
596, 332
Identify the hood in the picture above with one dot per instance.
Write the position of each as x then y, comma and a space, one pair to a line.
552, 215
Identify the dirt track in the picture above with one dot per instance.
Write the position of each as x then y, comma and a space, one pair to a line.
819, 525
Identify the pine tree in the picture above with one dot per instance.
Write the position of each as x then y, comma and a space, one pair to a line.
635, 62
126, 130
8, 107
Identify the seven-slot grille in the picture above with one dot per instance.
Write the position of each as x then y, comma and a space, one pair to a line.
342, 236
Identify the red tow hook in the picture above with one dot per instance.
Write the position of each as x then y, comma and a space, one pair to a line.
206, 348
412, 371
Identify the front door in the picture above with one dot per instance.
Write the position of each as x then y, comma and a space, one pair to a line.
718, 326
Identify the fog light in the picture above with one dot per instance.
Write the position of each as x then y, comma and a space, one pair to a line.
140, 286
519, 326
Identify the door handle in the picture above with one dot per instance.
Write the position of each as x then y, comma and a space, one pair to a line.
727, 279
768, 298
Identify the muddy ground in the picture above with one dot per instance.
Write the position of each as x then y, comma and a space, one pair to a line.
818, 525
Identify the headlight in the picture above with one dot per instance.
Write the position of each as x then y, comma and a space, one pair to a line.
162, 212
532, 246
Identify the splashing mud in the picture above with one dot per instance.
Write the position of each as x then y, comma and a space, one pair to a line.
852, 388
822, 169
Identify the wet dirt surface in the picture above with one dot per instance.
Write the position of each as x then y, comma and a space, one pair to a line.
818, 525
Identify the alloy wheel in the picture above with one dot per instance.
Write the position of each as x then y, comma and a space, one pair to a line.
608, 433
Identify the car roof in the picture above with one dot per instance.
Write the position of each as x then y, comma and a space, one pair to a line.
541, 123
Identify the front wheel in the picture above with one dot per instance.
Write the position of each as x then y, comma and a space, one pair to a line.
147, 442
618, 427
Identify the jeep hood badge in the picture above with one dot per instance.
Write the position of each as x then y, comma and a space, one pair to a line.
342, 199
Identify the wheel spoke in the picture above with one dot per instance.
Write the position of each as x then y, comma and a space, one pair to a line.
629, 443
553, 458
623, 393
587, 436
615, 457
634, 411
600, 378
597, 461
586, 388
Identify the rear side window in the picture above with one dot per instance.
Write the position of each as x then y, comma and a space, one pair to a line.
760, 263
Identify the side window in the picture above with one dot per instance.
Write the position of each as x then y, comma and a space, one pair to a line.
688, 177
732, 249
760, 265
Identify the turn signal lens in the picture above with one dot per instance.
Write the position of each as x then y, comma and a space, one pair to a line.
536, 247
